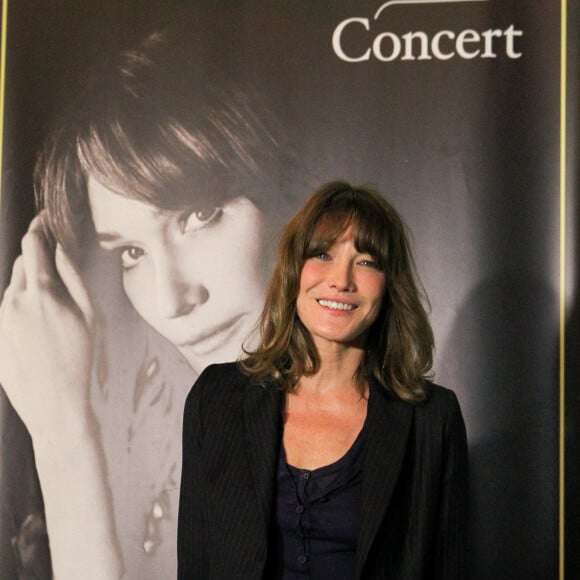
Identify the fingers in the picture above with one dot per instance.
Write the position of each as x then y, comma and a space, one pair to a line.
47, 274
18, 279
44, 270
38, 262
74, 284
17, 285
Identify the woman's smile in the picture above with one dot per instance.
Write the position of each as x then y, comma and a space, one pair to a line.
336, 305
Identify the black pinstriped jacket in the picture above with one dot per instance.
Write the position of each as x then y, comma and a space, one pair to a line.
414, 486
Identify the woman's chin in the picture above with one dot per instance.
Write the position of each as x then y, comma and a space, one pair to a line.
198, 361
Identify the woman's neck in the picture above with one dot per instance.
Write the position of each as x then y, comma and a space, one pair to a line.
337, 371
324, 414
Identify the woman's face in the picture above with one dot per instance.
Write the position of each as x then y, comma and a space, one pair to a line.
196, 276
340, 295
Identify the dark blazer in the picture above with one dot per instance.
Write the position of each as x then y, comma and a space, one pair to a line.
414, 486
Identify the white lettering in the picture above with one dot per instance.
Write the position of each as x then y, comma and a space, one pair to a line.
424, 44
464, 37
387, 46
336, 37
509, 41
378, 47
488, 35
435, 48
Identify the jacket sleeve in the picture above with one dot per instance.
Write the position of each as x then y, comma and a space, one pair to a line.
192, 523
453, 533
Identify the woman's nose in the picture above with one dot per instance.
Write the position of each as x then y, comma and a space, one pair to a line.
341, 276
177, 294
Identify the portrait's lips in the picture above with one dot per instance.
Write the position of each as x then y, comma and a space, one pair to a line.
215, 337
336, 305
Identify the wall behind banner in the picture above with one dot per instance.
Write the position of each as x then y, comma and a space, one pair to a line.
466, 147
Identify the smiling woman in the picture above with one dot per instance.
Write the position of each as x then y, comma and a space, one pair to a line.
339, 457
156, 197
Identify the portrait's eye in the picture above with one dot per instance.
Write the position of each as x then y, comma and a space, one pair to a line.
200, 218
130, 256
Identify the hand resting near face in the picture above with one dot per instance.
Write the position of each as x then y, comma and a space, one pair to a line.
47, 328
46, 336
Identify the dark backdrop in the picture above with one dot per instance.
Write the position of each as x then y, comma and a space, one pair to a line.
468, 151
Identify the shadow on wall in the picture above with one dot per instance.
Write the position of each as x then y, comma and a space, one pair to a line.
502, 358
572, 463
572, 413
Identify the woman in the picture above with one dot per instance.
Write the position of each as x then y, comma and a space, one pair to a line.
326, 453
158, 190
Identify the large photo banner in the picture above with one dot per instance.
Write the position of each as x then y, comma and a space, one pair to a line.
152, 151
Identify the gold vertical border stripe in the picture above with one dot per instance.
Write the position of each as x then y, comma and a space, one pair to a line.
2, 87
562, 361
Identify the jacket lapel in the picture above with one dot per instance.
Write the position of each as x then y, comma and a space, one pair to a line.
388, 425
262, 416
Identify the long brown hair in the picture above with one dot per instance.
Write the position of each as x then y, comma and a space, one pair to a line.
399, 351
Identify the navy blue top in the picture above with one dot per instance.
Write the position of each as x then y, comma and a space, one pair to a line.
317, 517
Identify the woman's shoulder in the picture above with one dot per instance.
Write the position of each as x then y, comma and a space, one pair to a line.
221, 377
229, 372
220, 381
438, 398
222, 395
435, 395
215, 387
440, 407
438, 394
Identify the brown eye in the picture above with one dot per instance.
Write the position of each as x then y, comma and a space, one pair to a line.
201, 218
130, 256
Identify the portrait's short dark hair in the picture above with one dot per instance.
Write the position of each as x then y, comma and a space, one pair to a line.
160, 125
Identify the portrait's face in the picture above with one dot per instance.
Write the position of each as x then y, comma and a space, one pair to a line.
340, 294
196, 276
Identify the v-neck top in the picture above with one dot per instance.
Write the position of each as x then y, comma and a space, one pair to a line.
317, 517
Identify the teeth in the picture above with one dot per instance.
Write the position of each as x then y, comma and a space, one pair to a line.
336, 305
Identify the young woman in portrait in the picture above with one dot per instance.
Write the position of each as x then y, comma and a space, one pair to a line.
159, 193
